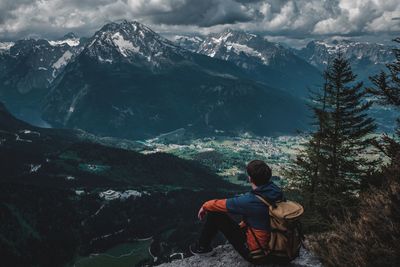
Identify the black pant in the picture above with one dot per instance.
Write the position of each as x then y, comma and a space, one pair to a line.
221, 222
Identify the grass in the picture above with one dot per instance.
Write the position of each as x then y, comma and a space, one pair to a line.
371, 239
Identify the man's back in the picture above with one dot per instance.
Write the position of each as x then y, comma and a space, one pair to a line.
255, 216
251, 236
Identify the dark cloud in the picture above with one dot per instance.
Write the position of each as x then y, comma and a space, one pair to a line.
204, 13
52, 18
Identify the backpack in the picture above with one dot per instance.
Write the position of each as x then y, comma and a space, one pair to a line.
286, 236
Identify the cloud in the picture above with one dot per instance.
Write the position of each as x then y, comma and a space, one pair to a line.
202, 13
292, 18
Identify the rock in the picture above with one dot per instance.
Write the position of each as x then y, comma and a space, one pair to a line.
226, 256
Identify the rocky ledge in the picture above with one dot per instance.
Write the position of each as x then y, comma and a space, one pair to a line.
226, 256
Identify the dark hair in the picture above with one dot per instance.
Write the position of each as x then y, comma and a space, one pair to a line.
259, 172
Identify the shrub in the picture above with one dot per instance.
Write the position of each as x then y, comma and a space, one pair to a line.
373, 238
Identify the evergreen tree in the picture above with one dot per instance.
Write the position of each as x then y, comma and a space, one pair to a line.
347, 129
387, 89
334, 161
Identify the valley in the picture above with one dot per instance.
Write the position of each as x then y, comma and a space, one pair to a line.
116, 197
96, 197
228, 156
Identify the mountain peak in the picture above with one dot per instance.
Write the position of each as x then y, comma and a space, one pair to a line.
231, 35
128, 40
238, 44
125, 25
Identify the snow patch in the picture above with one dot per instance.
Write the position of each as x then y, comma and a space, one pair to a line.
104, 60
222, 38
239, 48
74, 103
63, 60
6, 45
123, 45
71, 42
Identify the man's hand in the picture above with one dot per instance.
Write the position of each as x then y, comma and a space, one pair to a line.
202, 213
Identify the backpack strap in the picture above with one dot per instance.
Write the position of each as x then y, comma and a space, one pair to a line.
268, 203
265, 200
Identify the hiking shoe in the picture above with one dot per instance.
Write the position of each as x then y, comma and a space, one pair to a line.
196, 249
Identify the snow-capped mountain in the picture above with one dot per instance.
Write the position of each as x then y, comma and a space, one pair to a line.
240, 46
131, 82
366, 58
133, 43
28, 67
44, 60
268, 62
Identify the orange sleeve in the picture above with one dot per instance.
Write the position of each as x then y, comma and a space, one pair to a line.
218, 205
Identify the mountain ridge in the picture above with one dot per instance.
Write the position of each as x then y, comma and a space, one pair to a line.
178, 89
264, 61
366, 58
34, 69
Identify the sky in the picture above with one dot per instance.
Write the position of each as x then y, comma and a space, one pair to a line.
282, 20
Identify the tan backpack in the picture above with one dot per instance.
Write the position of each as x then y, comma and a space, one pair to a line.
286, 237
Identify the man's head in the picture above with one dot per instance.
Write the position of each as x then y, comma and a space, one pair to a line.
259, 172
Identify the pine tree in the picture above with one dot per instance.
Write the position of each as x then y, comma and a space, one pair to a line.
347, 129
333, 162
387, 89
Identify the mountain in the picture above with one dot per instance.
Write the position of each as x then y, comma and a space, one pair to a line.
28, 67
131, 82
70, 39
57, 186
191, 43
264, 61
366, 58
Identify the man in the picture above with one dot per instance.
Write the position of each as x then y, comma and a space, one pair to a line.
251, 236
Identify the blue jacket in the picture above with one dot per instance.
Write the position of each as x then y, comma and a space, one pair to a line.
254, 212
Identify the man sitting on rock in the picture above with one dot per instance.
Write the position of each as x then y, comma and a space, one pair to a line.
251, 236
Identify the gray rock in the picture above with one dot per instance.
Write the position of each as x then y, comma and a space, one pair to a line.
226, 256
